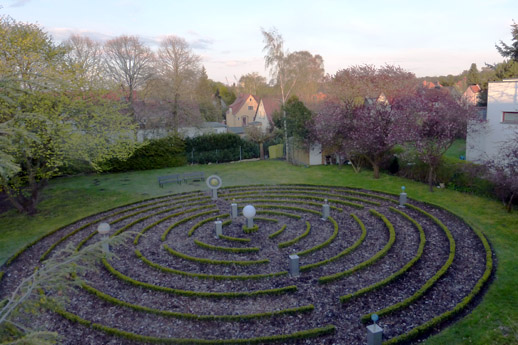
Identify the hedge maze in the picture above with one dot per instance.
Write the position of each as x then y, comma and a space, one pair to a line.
175, 282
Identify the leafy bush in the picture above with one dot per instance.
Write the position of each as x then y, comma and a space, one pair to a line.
454, 173
154, 154
219, 148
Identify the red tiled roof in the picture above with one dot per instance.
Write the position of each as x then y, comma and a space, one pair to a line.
271, 105
240, 100
475, 88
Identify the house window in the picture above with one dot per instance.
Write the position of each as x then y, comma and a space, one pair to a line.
250, 107
244, 121
510, 117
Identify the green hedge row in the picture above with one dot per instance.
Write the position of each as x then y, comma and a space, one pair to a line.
219, 148
185, 220
303, 196
278, 232
226, 249
27, 246
323, 244
153, 154
393, 277
186, 316
436, 321
310, 333
257, 201
342, 253
145, 229
213, 262
296, 239
206, 276
264, 219
422, 290
136, 221
251, 230
235, 239
205, 221
276, 213
372, 260
190, 293
291, 208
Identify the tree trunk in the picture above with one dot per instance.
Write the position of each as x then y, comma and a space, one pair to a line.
261, 151
286, 135
510, 203
431, 173
376, 170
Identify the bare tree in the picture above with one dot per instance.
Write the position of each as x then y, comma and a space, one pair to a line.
179, 69
86, 56
129, 63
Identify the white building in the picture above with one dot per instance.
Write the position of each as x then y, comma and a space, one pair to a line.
501, 124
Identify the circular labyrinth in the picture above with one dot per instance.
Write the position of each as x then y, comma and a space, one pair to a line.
174, 281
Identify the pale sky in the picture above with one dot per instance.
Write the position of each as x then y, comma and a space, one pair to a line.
427, 38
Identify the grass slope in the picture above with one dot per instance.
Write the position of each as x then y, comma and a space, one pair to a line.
494, 321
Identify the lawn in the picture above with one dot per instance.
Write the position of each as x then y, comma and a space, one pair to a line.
493, 321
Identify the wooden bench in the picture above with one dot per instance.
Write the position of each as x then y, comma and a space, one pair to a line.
193, 176
168, 179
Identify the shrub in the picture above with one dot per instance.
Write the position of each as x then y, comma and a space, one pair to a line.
219, 148
154, 154
454, 173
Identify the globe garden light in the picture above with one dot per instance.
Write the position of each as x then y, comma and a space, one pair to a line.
249, 213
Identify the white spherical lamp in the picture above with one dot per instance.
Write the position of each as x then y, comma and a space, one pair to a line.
249, 211
103, 228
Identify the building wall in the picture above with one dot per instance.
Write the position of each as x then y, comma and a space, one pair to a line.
262, 117
236, 120
485, 142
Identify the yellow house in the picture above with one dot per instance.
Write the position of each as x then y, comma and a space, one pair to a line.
242, 111
265, 110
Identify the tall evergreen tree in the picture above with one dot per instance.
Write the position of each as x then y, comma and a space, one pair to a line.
510, 51
473, 77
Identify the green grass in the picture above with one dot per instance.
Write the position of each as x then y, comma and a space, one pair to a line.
457, 149
493, 321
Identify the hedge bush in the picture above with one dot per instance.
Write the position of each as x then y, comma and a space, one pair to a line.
190, 293
211, 261
454, 173
206, 276
219, 148
153, 154
283, 338
372, 260
343, 252
296, 239
393, 277
323, 244
226, 249
422, 290
243, 317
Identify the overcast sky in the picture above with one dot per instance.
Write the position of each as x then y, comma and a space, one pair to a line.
424, 37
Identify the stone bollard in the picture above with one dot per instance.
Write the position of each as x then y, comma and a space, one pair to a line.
402, 197
294, 265
233, 208
374, 335
219, 228
325, 210
374, 332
